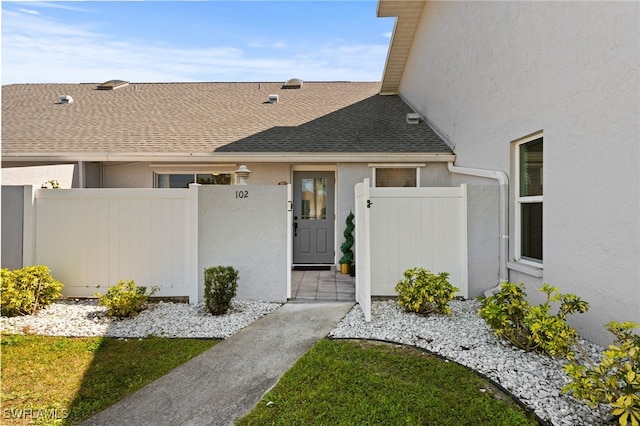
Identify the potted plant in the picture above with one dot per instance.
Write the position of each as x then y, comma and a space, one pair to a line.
346, 261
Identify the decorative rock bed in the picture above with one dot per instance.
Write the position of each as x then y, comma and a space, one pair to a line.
535, 379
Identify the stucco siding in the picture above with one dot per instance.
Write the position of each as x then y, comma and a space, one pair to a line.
127, 175
488, 73
483, 241
12, 226
65, 174
248, 233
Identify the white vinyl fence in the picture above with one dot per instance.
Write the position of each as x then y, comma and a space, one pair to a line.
402, 228
93, 238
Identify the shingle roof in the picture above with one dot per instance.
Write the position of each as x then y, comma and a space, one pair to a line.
341, 117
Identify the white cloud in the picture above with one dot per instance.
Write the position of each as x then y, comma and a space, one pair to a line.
387, 34
29, 11
279, 44
40, 50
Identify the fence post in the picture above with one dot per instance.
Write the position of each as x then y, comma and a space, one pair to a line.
29, 226
193, 274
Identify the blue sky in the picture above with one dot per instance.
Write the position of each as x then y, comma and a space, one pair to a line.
162, 41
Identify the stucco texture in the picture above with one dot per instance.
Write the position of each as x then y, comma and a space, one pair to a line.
12, 226
245, 227
489, 73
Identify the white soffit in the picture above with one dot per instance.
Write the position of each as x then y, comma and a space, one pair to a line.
407, 13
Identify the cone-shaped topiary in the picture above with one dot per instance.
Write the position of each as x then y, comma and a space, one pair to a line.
346, 247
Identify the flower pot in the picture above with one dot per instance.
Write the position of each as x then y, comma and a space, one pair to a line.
352, 270
344, 268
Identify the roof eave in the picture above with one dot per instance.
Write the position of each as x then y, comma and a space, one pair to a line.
263, 157
408, 14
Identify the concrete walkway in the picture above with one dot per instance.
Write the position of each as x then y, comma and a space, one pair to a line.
228, 380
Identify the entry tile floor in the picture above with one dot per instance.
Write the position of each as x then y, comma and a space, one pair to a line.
324, 286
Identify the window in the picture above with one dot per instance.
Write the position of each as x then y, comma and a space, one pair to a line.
314, 199
529, 160
175, 180
401, 175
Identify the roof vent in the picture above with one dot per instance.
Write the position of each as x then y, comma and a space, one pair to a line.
294, 83
413, 118
113, 84
66, 99
273, 99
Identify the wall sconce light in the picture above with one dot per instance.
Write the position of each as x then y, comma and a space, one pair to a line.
242, 174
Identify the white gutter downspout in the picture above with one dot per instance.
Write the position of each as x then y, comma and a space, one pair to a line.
503, 181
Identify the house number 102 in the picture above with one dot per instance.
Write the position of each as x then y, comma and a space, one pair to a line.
242, 194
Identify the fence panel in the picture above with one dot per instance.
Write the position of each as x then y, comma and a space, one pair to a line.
92, 238
417, 227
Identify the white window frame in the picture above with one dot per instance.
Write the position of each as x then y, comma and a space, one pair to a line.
416, 166
519, 200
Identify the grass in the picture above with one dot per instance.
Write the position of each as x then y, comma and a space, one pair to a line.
61, 380
58, 380
365, 383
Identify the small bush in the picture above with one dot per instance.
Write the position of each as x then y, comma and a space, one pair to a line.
533, 327
50, 184
125, 299
24, 291
347, 246
424, 292
616, 380
220, 286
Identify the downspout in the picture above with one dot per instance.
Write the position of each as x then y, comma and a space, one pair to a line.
503, 181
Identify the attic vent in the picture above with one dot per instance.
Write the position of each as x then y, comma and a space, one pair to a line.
273, 99
113, 84
294, 83
413, 118
66, 99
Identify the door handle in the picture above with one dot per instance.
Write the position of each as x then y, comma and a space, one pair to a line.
295, 226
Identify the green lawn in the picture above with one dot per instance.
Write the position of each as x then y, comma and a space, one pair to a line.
57, 380
343, 382
60, 380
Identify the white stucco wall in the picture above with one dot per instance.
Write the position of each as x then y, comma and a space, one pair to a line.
247, 232
488, 73
12, 207
127, 175
65, 174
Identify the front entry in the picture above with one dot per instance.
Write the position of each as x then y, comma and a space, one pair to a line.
313, 217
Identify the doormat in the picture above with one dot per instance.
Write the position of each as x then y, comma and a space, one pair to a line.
311, 268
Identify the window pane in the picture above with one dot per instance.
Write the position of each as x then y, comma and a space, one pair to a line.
531, 168
314, 199
214, 179
395, 177
182, 181
531, 232
174, 181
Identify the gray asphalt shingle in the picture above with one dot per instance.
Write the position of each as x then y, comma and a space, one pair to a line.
341, 117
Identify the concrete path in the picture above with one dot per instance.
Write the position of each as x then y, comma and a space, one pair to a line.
228, 380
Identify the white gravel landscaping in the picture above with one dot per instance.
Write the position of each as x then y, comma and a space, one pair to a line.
80, 318
464, 337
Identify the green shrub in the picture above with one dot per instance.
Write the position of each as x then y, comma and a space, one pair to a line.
24, 291
423, 292
616, 380
220, 286
125, 299
533, 327
347, 246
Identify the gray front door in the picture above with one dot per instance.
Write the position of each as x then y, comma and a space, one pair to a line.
313, 217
